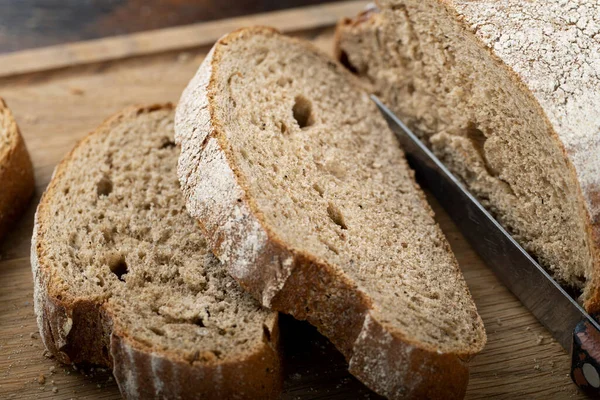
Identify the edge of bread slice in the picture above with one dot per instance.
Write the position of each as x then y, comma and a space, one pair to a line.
123, 277
16, 171
287, 278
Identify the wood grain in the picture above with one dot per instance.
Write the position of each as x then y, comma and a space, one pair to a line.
56, 109
190, 36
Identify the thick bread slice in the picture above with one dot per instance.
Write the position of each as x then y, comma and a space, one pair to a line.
123, 276
303, 192
507, 93
16, 172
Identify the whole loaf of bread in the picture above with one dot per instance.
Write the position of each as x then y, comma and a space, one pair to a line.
507, 94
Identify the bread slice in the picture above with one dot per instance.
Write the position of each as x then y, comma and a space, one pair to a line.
504, 96
16, 172
303, 191
123, 276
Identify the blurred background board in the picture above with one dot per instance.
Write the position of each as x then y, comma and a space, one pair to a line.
59, 95
34, 23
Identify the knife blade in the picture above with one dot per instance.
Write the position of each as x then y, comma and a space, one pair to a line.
551, 304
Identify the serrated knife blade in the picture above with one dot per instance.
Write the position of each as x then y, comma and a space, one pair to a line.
551, 304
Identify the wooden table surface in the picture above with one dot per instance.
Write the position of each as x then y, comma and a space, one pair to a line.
60, 94
34, 23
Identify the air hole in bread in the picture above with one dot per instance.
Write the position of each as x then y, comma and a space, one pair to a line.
200, 322
345, 61
118, 266
303, 113
336, 216
319, 189
104, 187
261, 56
267, 333
157, 331
167, 144
330, 246
283, 81
478, 139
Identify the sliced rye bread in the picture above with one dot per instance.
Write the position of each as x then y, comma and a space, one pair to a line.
507, 95
124, 279
16, 172
303, 192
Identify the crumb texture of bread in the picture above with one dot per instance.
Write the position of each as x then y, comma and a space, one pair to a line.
16, 171
506, 93
303, 192
124, 278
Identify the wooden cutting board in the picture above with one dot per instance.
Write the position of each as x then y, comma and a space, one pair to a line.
59, 94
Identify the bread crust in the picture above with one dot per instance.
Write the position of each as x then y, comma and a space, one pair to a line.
16, 173
78, 330
564, 136
287, 280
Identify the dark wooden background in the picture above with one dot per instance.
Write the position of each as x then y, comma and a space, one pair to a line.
36, 23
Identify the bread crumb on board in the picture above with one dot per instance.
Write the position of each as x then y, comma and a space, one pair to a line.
184, 57
76, 91
540, 339
31, 119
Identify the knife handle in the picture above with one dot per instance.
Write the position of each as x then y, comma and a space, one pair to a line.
585, 357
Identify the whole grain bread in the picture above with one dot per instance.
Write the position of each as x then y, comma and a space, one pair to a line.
507, 94
124, 279
303, 192
16, 172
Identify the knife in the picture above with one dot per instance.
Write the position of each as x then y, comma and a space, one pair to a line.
551, 304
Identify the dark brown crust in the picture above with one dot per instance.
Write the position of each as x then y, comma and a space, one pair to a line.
317, 292
79, 330
16, 175
592, 303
